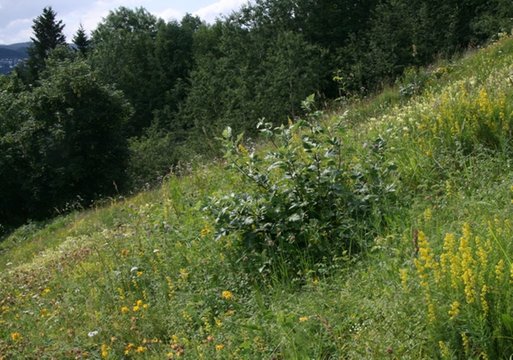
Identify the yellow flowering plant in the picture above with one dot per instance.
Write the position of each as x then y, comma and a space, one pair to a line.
467, 291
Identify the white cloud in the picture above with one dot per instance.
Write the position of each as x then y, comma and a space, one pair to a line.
221, 7
169, 14
19, 30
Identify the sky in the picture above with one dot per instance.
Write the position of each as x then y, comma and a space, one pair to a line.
16, 16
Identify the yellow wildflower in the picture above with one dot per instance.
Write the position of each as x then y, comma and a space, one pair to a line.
499, 270
140, 349
448, 248
482, 254
466, 342
403, 274
431, 312
455, 270
136, 308
16, 336
484, 102
303, 318
444, 350
243, 149
466, 231
121, 293
428, 214
104, 351
469, 281
227, 295
425, 251
205, 231
484, 303
184, 274
455, 309
219, 347
124, 309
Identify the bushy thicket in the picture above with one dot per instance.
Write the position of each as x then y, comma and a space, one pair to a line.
187, 80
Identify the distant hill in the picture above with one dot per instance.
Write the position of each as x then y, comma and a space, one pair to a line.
16, 51
10, 55
18, 46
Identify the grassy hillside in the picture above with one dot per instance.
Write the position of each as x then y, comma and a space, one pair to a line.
148, 277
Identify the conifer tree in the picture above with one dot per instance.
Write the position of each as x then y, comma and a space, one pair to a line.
47, 36
81, 41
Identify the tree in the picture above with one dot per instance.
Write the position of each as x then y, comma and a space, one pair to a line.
81, 41
47, 36
60, 143
124, 47
293, 70
173, 63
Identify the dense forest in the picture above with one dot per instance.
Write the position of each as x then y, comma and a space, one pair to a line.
117, 110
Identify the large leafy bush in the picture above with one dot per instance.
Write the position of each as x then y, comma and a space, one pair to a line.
307, 201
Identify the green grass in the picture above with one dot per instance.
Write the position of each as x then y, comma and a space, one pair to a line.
144, 277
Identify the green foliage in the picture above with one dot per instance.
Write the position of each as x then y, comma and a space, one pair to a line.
293, 69
61, 142
307, 200
123, 53
245, 76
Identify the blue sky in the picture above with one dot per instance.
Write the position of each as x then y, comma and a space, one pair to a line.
16, 16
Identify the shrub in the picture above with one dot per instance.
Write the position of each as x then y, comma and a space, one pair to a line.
412, 82
309, 200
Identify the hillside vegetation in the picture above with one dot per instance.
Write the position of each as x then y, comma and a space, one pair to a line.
115, 111
249, 258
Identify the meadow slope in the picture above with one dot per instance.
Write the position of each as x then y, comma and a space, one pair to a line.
147, 278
